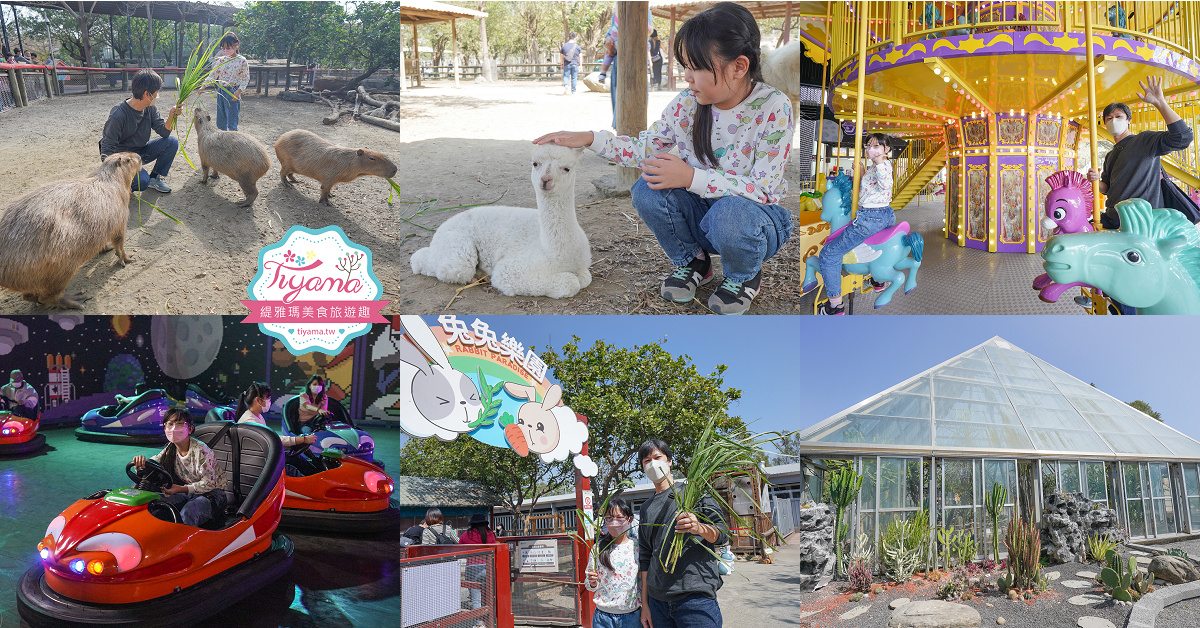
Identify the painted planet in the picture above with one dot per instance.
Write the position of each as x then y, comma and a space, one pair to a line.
185, 346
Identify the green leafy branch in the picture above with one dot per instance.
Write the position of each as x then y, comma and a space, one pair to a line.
491, 405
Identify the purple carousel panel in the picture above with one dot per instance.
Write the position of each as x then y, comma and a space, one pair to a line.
953, 189
978, 192
1011, 129
975, 132
1048, 131
1011, 195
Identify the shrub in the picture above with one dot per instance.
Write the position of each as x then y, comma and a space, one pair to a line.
1099, 545
861, 577
904, 547
1024, 545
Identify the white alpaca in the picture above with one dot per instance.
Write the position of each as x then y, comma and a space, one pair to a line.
781, 69
529, 252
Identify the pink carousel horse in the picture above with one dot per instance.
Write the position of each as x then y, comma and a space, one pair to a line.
1068, 207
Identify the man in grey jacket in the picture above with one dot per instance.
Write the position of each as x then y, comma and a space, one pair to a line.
1132, 168
686, 597
128, 130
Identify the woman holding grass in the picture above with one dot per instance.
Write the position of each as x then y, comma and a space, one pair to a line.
231, 73
613, 574
678, 590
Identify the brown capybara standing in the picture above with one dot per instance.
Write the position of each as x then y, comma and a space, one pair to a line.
233, 153
304, 152
46, 235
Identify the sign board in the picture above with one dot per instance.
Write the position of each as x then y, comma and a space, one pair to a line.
589, 513
537, 556
499, 392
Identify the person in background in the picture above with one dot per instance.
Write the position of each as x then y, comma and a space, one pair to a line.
19, 397
656, 59
19, 56
314, 402
477, 534
570, 53
436, 531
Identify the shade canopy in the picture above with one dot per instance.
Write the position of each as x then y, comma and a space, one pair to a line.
198, 12
430, 12
997, 398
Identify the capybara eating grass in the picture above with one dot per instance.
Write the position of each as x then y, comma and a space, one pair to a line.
304, 152
238, 155
49, 233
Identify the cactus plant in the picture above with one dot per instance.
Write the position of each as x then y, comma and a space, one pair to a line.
844, 485
1117, 577
994, 504
1024, 544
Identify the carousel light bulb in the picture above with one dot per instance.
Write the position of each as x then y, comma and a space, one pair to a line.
1100, 70
946, 79
937, 70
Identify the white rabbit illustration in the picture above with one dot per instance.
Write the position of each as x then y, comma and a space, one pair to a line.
435, 399
547, 428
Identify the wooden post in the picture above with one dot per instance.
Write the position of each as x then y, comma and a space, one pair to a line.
49, 84
454, 41
150, 20
787, 25
12, 83
18, 91
631, 79
670, 54
417, 53
403, 61
863, 10
1090, 59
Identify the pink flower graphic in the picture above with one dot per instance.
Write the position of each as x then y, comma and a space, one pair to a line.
289, 256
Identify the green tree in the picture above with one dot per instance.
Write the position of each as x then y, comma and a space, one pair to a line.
1144, 408
371, 38
520, 482
288, 30
630, 395
789, 450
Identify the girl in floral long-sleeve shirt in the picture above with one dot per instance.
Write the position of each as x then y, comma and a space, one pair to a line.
613, 574
231, 73
201, 492
713, 165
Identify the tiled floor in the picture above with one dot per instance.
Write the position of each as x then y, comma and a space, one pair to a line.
960, 280
333, 580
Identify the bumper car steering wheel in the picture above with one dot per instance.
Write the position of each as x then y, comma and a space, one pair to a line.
154, 477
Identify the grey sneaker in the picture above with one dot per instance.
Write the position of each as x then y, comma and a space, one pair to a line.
680, 286
733, 297
159, 185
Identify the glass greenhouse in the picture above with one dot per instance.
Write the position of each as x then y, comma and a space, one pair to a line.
940, 439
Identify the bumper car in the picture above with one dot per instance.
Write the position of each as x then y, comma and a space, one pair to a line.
138, 421
334, 433
206, 408
337, 493
120, 557
18, 434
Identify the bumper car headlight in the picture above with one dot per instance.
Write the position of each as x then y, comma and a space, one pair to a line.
78, 565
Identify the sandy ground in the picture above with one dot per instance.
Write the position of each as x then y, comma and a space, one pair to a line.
205, 265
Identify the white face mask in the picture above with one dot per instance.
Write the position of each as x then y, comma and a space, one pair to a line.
874, 151
316, 389
656, 470
1117, 126
617, 529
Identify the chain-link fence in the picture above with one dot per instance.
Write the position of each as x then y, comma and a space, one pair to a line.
7, 100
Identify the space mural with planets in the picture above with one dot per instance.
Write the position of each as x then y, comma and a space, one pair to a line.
80, 362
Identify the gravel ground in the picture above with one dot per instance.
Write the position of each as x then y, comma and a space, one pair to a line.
1183, 614
766, 596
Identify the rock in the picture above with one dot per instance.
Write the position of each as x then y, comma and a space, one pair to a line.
999, 621
1094, 622
1174, 569
1142, 560
806, 614
1138, 553
1086, 575
1076, 584
1051, 575
898, 602
972, 582
934, 614
855, 612
610, 187
593, 83
1086, 599
1068, 520
814, 529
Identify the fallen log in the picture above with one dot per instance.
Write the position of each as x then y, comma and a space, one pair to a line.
381, 122
295, 96
336, 113
386, 105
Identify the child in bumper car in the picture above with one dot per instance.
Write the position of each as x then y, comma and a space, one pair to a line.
198, 488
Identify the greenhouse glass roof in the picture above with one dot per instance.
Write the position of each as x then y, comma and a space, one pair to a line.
997, 398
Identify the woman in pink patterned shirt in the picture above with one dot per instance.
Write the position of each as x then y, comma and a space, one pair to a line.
231, 73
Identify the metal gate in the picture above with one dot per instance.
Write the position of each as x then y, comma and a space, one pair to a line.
546, 587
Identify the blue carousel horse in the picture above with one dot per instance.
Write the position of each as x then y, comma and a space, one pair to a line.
883, 256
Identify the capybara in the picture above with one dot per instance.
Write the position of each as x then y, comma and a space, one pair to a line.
46, 235
304, 152
233, 153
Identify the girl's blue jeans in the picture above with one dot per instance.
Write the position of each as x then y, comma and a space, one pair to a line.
601, 619
742, 232
228, 111
868, 222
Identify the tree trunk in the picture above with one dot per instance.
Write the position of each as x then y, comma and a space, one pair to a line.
485, 57
150, 30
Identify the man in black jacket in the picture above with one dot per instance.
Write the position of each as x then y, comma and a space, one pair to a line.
686, 597
128, 130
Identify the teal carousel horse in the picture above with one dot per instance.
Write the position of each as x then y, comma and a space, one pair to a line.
884, 256
1152, 263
